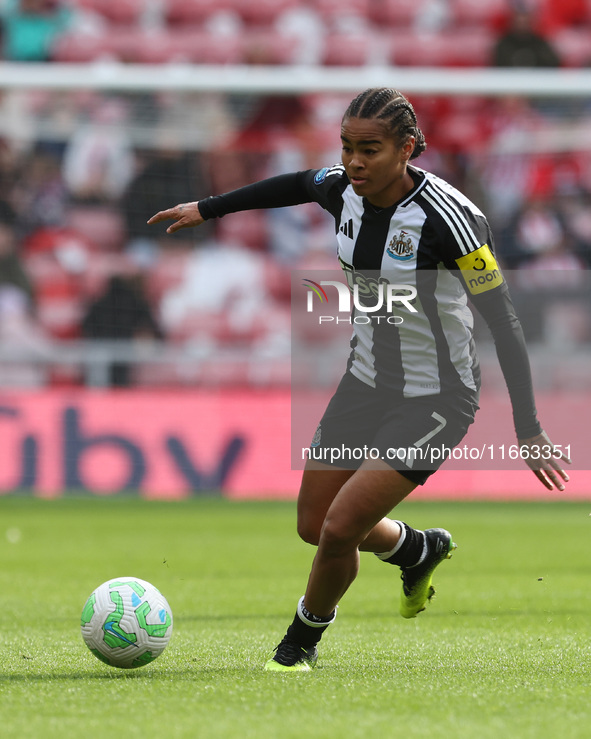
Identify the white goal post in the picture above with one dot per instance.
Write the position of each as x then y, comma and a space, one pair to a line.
113, 76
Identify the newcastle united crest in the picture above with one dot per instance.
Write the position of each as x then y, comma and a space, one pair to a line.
400, 247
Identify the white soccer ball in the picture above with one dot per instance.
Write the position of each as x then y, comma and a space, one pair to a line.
126, 622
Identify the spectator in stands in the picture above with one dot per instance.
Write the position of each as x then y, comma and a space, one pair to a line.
10, 161
552, 225
538, 231
433, 16
121, 313
553, 294
12, 271
576, 212
98, 160
165, 170
283, 132
506, 170
38, 192
223, 295
29, 28
296, 142
523, 46
19, 328
20, 333
302, 23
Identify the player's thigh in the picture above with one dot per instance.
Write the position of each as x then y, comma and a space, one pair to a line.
369, 495
418, 434
321, 484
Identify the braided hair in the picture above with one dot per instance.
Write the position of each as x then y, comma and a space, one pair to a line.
394, 110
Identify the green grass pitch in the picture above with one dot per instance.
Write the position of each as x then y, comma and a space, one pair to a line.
504, 650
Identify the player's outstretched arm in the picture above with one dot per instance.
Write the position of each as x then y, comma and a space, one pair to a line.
185, 215
541, 456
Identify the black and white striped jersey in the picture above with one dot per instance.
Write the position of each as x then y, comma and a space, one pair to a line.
434, 241
416, 242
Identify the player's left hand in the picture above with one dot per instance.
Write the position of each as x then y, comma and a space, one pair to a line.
541, 456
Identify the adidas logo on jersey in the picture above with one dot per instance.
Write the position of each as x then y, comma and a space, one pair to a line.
347, 228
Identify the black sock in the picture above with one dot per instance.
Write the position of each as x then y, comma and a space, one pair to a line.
409, 549
307, 629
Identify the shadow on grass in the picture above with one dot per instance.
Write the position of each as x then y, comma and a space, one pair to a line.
163, 674
221, 617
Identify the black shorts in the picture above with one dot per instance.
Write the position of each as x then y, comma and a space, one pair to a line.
412, 435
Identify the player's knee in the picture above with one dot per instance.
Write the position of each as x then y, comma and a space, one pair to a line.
337, 538
309, 531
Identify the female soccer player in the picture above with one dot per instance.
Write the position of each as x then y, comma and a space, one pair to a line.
411, 387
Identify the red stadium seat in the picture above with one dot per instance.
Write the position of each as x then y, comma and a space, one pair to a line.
586, 16
53, 239
453, 48
120, 43
102, 226
332, 9
187, 44
201, 47
248, 229
461, 131
157, 48
167, 272
118, 12
260, 12
268, 47
193, 12
127, 43
348, 50
490, 14
395, 13
56, 260
100, 268
80, 48
564, 14
573, 46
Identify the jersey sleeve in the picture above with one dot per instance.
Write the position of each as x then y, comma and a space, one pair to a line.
274, 192
308, 186
486, 287
496, 308
468, 251
326, 187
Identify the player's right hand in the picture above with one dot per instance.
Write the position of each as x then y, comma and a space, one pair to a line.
185, 215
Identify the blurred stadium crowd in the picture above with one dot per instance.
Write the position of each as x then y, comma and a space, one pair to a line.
285, 31
80, 173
